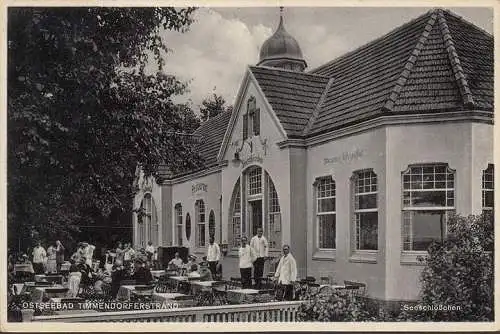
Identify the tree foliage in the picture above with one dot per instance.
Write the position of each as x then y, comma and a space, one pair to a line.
459, 272
213, 105
83, 113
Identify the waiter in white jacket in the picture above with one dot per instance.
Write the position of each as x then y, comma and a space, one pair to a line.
261, 250
286, 273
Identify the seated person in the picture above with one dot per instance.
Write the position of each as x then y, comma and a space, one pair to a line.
191, 263
176, 262
193, 271
118, 274
142, 275
86, 270
24, 259
204, 271
101, 277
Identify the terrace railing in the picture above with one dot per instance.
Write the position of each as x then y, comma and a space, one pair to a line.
285, 311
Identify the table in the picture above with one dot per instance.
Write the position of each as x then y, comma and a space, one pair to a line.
237, 296
200, 285
23, 268
333, 286
40, 293
169, 296
157, 273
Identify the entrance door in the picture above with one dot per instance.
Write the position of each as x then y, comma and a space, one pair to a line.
255, 216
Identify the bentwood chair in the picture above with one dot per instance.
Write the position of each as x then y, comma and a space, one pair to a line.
355, 288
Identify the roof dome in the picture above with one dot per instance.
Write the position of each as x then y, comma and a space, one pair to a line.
280, 46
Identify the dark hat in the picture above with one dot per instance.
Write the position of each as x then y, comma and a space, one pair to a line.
139, 260
191, 256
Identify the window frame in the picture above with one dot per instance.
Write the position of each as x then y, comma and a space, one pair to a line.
200, 212
235, 215
409, 255
179, 231
490, 170
317, 213
357, 254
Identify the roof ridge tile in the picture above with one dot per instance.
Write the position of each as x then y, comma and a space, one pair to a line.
458, 71
403, 78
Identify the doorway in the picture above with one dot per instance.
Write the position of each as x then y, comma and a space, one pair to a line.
255, 214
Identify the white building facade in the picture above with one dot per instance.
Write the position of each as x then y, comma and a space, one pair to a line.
356, 164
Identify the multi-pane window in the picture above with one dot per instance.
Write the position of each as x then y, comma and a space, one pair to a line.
326, 212
235, 228
488, 187
251, 119
255, 181
365, 210
178, 223
200, 223
211, 224
274, 213
428, 199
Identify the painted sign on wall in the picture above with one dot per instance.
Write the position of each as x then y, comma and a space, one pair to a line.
345, 157
199, 187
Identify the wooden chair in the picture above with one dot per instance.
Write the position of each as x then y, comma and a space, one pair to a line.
355, 288
219, 292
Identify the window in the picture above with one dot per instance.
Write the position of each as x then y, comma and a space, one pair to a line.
178, 223
488, 187
235, 217
211, 224
428, 199
251, 119
148, 222
200, 223
188, 226
365, 210
255, 181
274, 214
325, 212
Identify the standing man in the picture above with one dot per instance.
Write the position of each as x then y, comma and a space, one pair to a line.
59, 255
286, 273
128, 255
247, 257
39, 256
88, 253
213, 255
260, 247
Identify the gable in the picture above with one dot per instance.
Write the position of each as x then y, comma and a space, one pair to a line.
271, 129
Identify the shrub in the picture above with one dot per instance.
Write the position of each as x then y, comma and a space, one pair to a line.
335, 306
459, 272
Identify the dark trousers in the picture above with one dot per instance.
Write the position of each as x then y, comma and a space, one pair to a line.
38, 268
258, 270
213, 267
285, 292
246, 278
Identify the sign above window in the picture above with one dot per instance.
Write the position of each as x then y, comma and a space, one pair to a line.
199, 187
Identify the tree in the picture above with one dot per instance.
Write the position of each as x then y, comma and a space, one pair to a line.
212, 106
83, 113
459, 272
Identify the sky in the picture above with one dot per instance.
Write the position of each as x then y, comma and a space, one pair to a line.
213, 55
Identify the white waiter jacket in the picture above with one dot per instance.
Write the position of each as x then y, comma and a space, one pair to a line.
247, 256
213, 252
260, 246
287, 269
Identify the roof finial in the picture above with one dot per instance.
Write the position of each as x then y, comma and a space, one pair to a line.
281, 17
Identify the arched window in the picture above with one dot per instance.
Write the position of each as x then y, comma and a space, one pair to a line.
274, 215
200, 223
234, 232
188, 226
211, 224
148, 222
428, 199
178, 223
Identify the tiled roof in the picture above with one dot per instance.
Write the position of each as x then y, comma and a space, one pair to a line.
208, 140
292, 95
437, 62
210, 135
